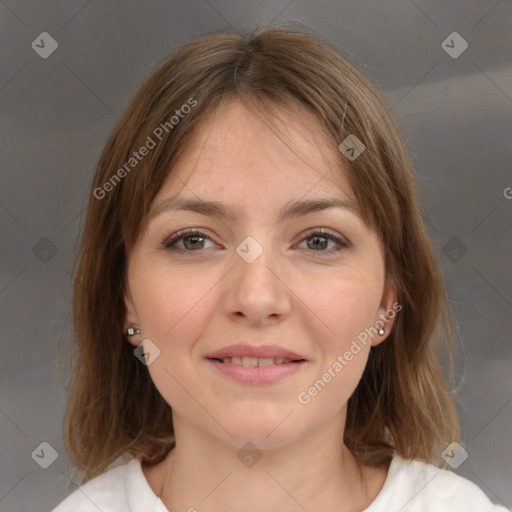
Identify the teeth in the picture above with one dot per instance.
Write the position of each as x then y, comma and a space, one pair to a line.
255, 361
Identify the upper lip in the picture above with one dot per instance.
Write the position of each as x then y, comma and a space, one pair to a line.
261, 351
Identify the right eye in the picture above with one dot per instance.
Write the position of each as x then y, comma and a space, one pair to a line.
193, 240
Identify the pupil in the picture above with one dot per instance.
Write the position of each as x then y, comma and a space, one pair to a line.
196, 238
322, 243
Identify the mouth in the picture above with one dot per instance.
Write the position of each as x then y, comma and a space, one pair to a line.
255, 371
255, 361
255, 365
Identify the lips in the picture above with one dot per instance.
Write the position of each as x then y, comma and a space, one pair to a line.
235, 354
255, 361
253, 365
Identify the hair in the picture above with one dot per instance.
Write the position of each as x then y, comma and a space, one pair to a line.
402, 403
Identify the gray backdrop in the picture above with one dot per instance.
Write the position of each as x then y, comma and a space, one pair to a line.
454, 104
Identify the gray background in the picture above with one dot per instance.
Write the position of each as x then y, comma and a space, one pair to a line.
56, 114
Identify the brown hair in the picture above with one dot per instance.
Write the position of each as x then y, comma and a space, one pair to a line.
114, 409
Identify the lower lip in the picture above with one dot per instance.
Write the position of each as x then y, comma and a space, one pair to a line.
257, 374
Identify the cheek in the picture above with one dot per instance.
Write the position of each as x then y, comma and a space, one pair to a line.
174, 308
171, 303
343, 307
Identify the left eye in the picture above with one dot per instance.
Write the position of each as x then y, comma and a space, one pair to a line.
321, 239
196, 239
193, 241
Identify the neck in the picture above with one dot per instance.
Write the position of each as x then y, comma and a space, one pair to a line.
314, 473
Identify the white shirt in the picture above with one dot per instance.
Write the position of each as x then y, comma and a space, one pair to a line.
410, 486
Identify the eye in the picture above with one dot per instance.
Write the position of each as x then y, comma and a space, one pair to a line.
319, 240
192, 240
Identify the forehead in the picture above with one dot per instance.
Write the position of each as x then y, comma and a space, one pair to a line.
238, 152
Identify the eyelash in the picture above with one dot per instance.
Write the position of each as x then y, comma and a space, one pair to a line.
170, 243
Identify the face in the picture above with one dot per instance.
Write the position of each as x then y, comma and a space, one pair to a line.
296, 290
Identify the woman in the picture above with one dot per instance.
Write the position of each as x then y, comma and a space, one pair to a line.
257, 301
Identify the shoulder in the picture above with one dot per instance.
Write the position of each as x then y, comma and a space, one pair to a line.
119, 489
415, 486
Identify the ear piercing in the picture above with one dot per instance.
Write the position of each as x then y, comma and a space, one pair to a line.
132, 331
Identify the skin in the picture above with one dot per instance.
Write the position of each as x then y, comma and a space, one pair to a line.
313, 301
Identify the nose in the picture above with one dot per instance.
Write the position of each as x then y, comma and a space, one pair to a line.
258, 290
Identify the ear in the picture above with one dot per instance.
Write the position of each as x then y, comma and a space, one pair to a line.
387, 312
130, 318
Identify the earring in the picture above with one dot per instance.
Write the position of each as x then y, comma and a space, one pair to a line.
132, 331
381, 331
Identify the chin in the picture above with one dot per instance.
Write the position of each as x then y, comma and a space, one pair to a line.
259, 438
263, 430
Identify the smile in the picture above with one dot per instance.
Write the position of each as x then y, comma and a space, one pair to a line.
256, 370
255, 361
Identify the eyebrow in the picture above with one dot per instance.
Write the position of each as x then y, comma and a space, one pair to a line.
288, 211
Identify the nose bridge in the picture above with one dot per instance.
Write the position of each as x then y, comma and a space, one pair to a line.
256, 287
255, 259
